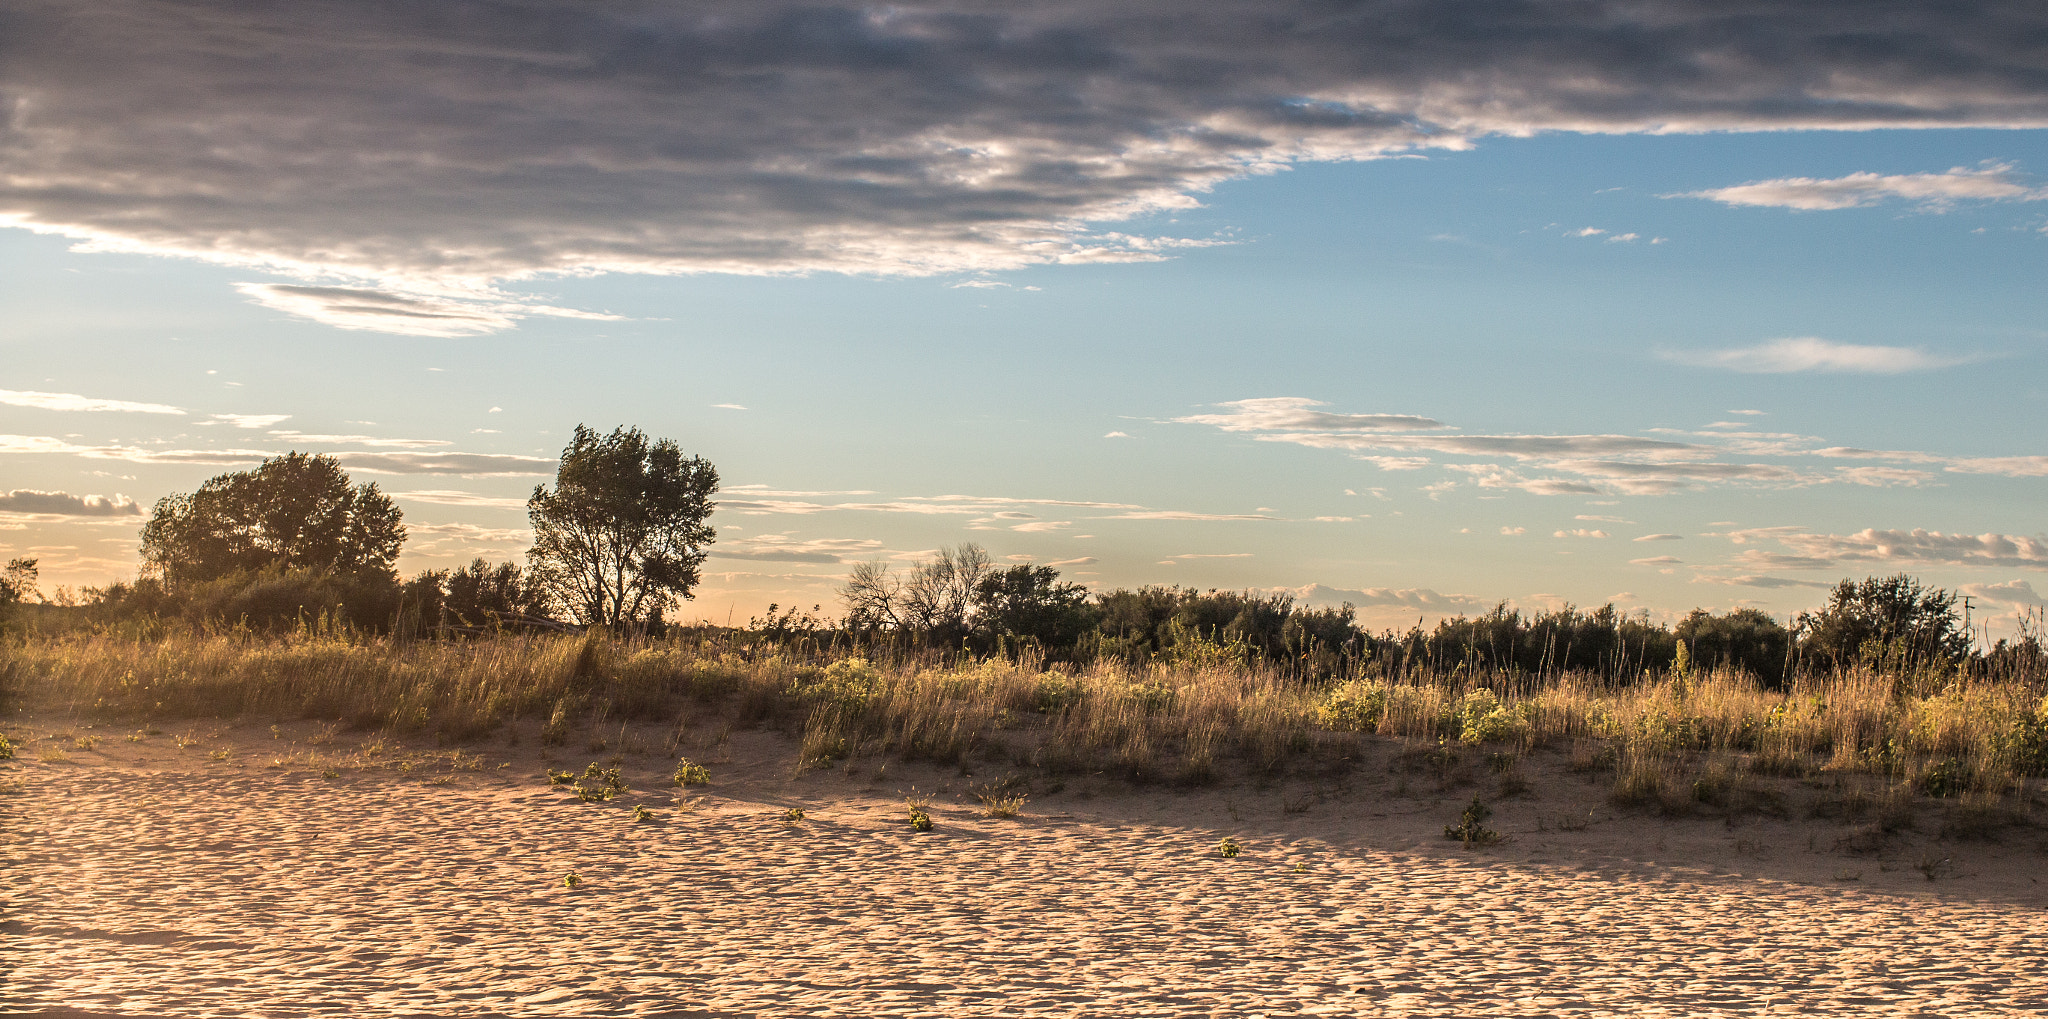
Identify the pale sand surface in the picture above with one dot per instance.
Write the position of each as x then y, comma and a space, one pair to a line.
143, 879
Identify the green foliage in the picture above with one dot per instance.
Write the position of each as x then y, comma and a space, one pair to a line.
1056, 692
1482, 718
571, 880
293, 513
1944, 778
1030, 603
623, 535
1745, 639
689, 773
1228, 848
1356, 706
1890, 623
920, 819
1471, 827
17, 585
794, 815
6, 749
641, 813
560, 777
599, 785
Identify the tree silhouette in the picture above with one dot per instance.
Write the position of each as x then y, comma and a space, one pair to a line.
623, 534
294, 512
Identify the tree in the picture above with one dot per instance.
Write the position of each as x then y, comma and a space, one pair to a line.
623, 534
1745, 639
1894, 621
17, 585
1031, 602
937, 600
293, 513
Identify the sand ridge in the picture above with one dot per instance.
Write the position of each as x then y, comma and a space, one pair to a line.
152, 881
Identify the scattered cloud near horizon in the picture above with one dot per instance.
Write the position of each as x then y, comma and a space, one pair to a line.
63, 504
75, 402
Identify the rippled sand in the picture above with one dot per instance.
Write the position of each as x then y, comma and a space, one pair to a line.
149, 880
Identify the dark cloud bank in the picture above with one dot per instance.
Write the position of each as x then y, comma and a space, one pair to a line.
430, 149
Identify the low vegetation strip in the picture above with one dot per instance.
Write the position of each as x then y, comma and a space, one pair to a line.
1949, 734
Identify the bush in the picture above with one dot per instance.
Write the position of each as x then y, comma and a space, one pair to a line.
1484, 719
1356, 706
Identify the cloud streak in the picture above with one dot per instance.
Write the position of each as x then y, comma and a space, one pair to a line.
30, 501
465, 144
1933, 191
1813, 354
75, 402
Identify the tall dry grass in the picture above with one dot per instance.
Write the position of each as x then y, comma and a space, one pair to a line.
1178, 721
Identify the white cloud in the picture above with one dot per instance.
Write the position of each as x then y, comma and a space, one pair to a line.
1812, 354
419, 313
472, 533
1292, 413
454, 498
302, 438
2012, 592
1182, 515
75, 402
1996, 182
1755, 580
1117, 435
476, 465
785, 549
1881, 477
728, 406
1415, 598
1922, 546
1511, 531
2005, 466
1082, 561
30, 501
250, 420
1656, 560
1660, 537
1580, 532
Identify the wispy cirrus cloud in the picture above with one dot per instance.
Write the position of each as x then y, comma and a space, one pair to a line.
466, 144
75, 402
1996, 182
1813, 354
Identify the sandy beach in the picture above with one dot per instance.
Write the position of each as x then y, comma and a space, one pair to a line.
291, 872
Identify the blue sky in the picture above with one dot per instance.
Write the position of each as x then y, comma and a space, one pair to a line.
1720, 345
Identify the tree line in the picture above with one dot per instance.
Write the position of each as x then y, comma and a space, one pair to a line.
621, 538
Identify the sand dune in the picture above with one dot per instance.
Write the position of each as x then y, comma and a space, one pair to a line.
151, 880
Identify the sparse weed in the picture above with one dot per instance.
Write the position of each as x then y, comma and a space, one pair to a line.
53, 755
1002, 805
794, 815
571, 880
1228, 848
1471, 827
85, 742
641, 813
6, 749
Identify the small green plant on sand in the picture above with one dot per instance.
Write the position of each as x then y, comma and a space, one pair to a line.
1002, 805
920, 818
600, 785
1228, 848
641, 813
689, 773
560, 777
570, 880
6, 749
85, 742
1471, 827
794, 815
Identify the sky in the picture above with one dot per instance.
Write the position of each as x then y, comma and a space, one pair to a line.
1417, 306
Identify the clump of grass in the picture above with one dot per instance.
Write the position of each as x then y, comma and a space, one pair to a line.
1002, 805
1471, 827
794, 815
85, 742
6, 749
641, 813
1228, 848
560, 777
920, 815
689, 773
53, 755
571, 880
